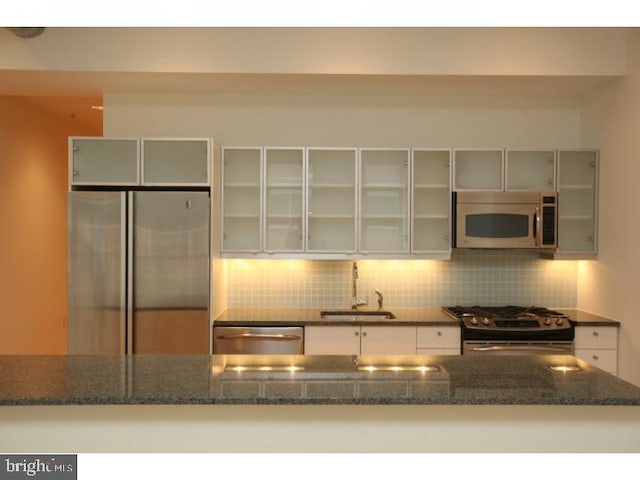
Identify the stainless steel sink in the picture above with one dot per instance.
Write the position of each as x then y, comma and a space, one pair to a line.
356, 314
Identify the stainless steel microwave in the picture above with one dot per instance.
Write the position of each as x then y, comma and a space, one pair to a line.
505, 220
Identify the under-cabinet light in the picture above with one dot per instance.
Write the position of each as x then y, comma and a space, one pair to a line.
564, 368
264, 368
398, 368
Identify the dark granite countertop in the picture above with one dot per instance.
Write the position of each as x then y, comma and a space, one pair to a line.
585, 319
311, 316
428, 317
229, 379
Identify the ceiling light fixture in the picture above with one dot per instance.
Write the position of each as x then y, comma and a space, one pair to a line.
26, 32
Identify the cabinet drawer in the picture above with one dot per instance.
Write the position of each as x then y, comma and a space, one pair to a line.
439, 337
606, 360
596, 337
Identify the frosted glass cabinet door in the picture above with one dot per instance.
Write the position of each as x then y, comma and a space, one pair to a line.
175, 161
241, 199
103, 161
577, 200
431, 201
384, 201
531, 170
331, 200
284, 199
478, 170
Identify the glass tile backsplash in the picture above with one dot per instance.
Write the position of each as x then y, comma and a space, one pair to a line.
471, 277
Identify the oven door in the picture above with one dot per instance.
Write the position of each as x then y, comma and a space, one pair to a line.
517, 348
497, 225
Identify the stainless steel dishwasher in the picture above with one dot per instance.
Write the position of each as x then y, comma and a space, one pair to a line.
258, 340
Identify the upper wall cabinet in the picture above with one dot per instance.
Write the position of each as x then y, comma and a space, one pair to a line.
183, 161
284, 199
510, 170
331, 200
431, 201
242, 199
533, 170
335, 202
105, 161
384, 201
577, 203
478, 170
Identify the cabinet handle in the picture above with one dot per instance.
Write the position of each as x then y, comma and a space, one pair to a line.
364, 334
595, 334
593, 164
357, 333
75, 148
439, 333
74, 173
595, 357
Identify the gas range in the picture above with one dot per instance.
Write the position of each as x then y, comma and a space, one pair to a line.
505, 323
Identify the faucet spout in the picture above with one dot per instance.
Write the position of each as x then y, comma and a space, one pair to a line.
355, 303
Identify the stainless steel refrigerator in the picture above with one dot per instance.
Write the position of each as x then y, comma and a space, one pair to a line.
138, 272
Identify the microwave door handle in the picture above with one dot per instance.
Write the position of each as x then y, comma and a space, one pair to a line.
536, 226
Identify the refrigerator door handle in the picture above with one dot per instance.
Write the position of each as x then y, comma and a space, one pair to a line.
129, 283
123, 273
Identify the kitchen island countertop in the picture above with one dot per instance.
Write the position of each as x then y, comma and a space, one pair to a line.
308, 380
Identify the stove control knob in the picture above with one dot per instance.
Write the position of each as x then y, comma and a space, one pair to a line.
558, 321
547, 321
486, 321
474, 321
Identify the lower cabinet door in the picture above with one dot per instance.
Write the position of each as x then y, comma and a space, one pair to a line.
388, 340
359, 340
332, 340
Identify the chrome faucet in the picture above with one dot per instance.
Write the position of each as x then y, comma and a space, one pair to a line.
355, 303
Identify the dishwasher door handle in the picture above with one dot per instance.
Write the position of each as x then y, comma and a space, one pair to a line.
259, 336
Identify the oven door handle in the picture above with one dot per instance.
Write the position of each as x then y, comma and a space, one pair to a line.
519, 348
536, 227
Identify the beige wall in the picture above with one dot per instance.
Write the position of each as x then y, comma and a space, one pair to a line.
347, 120
33, 185
393, 51
610, 286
